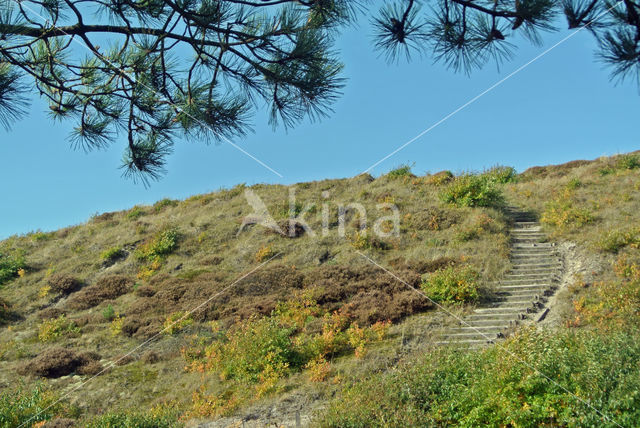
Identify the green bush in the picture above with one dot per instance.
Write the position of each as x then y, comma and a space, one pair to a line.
55, 328
471, 190
400, 171
536, 378
10, 266
136, 212
109, 313
574, 183
22, 407
628, 161
256, 349
563, 214
164, 203
501, 174
452, 285
39, 236
112, 254
161, 245
615, 240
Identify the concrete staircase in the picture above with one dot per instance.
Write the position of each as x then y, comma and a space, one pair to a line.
520, 295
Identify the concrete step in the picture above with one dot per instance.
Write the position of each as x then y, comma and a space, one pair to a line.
546, 260
504, 309
513, 300
534, 258
535, 264
525, 224
529, 287
464, 342
523, 294
535, 245
497, 327
534, 251
534, 271
482, 320
509, 276
504, 285
471, 333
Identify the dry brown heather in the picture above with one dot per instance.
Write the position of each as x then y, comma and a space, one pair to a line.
104, 285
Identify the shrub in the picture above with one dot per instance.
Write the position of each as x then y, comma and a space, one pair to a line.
607, 170
264, 253
26, 407
44, 291
56, 362
506, 385
112, 254
615, 240
258, 350
573, 184
177, 322
400, 171
55, 328
612, 302
6, 314
364, 241
440, 178
105, 288
452, 285
628, 161
150, 357
40, 236
501, 174
109, 313
161, 245
135, 213
563, 214
164, 203
116, 325
473, 191
64, 284
10, 266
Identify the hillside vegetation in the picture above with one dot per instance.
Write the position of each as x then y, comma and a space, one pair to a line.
583, 372
184, 310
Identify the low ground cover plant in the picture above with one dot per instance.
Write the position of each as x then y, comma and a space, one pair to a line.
452, 284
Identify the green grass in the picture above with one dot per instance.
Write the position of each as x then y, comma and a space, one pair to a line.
10, 266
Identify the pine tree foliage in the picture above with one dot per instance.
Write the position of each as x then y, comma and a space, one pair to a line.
157, 70
467, 34
154, 70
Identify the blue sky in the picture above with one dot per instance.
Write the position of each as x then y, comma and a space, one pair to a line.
560, 108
